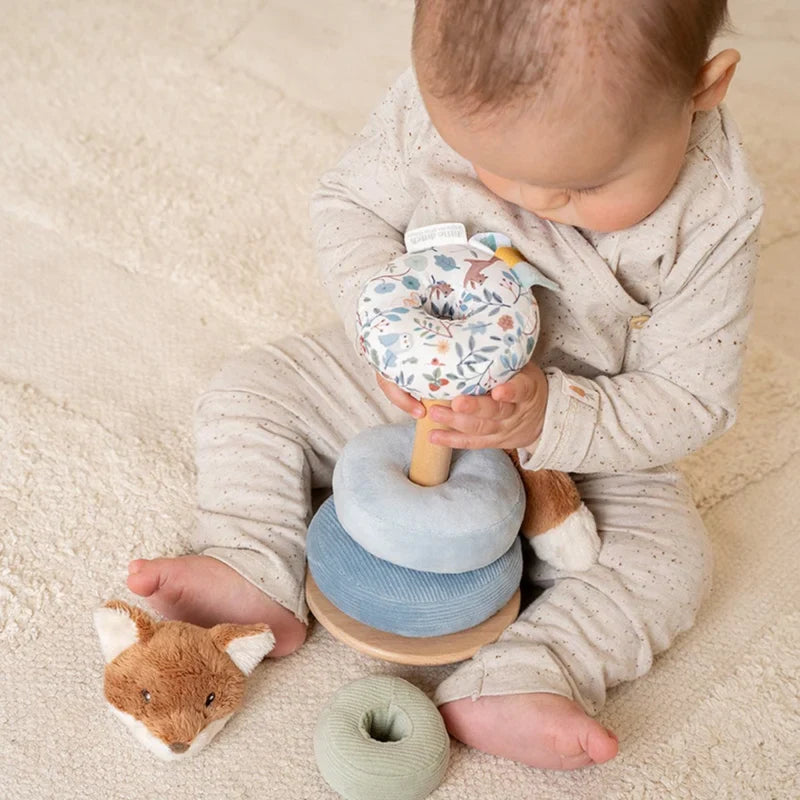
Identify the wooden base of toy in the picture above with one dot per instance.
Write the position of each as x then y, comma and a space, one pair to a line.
403, 649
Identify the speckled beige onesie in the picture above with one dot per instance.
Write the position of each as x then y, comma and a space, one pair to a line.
649, 324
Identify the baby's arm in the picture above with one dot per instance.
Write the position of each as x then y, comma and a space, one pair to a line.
361, 207
682, 369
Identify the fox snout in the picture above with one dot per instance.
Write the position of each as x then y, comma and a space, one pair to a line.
177, 730
166, 739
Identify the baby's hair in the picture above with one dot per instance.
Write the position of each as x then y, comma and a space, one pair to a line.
482, 55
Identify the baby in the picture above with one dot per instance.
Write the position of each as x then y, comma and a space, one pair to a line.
592, 135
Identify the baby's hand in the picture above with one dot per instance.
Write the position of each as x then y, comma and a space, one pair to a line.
403, 400
511, 416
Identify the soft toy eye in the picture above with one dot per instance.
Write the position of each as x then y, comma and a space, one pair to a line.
210, 699
146, 695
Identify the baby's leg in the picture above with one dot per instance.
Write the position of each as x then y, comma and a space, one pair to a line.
530, 695
268, 430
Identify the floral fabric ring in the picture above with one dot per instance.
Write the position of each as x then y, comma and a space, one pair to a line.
450, 317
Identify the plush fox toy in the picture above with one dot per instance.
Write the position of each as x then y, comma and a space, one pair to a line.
173, 684
559, 526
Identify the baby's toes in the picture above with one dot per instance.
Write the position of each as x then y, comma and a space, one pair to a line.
600, 745
144, 576
581, 741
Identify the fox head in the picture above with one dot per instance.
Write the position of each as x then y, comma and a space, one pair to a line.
173, 684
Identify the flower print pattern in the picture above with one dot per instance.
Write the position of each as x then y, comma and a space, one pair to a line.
505, 322
447, 321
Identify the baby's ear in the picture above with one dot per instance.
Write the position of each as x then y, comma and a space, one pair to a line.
247, 645
119, 626
714, 79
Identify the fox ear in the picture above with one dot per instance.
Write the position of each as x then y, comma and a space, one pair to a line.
119, 626
246, 645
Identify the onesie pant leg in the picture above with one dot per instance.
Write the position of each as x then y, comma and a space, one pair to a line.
268, 430
588, 631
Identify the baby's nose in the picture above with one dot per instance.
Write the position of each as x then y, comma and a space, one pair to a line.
179, 747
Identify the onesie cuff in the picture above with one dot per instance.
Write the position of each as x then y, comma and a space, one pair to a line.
569, 424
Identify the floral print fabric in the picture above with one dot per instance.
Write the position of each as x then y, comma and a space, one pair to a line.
450, 320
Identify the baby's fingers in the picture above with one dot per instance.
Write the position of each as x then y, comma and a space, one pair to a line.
483, 416
403, 400
482, 407
522, 388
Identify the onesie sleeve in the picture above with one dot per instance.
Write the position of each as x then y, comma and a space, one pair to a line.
360, 208
682, 371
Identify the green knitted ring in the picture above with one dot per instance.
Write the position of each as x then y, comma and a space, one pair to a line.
381, 737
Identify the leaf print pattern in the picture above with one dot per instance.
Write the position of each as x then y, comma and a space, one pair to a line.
447, 321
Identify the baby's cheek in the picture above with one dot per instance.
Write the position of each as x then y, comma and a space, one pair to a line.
617, 213
507, 190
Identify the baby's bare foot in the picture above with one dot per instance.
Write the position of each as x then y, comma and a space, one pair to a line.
204, 591
542, 730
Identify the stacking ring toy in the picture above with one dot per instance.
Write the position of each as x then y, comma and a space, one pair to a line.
381, 737
421, 543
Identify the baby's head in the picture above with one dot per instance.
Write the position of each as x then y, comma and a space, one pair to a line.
576, 110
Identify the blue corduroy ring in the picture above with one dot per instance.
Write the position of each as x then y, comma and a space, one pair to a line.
400, 600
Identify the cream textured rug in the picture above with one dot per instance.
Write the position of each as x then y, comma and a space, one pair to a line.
154, 176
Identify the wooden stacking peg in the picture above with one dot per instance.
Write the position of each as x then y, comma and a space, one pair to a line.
430, 463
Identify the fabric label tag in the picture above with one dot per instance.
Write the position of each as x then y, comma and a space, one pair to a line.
574, 390
435, 236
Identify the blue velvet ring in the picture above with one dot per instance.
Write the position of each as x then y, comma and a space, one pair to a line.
463, 524
404, 601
